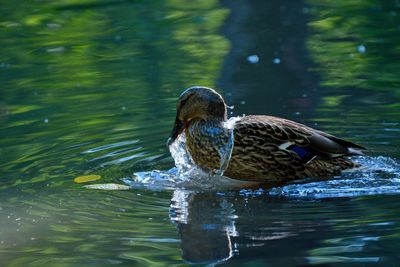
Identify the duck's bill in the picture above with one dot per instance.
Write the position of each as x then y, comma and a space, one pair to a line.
176, 131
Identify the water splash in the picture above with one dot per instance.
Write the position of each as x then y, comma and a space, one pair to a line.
225, 152
183, 161
379, 176
186, 174
193, 180
172, 178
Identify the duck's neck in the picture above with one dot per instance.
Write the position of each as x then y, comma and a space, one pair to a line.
209, 128
210, 140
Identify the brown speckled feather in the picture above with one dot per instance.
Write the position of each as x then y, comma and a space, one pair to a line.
257, 151
282, 130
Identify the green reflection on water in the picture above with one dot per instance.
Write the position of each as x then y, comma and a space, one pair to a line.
64, 228
78, 75
353, 44
354, 49
91, 87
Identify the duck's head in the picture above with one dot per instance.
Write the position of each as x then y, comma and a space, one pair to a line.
197, 103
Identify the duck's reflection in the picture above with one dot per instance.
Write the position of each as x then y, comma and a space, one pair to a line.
243, 225
215, 227
205, 224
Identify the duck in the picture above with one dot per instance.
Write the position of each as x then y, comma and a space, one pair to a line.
257, 148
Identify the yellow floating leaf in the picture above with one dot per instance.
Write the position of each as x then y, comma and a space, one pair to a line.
86, 178
110, 186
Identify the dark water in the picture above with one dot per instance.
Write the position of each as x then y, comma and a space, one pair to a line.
89, 87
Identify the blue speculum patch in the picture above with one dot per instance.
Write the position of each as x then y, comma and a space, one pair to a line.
305, 154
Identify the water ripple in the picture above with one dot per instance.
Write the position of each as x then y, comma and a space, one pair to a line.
109, 146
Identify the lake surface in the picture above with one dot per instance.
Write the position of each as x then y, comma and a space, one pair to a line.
90, 87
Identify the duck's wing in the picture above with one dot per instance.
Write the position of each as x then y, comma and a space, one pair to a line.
289, 135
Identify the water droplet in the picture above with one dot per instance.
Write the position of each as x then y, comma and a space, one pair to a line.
253, 59
46, 120
361, 49
276, 60
242, 102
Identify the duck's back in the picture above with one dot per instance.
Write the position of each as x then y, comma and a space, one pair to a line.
271, 148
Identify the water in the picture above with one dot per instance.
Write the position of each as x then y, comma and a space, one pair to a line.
91, 87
